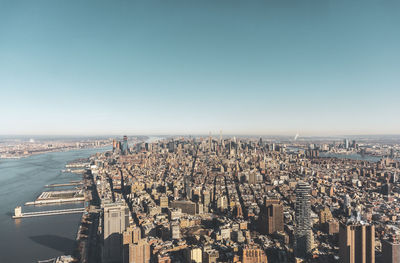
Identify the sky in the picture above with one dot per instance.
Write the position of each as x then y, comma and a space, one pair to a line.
263, 67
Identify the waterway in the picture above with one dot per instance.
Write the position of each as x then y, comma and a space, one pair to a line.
22, 180
353, 156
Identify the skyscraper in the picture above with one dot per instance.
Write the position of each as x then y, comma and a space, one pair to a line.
139, 252
125, 145
303, 232
114, 144
391, 250
132, 235
115, 221
175, 230
252, 254
346, 143
357, 243
271, 218
274, 218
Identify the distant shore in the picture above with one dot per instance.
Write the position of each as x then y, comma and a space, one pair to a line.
66, 149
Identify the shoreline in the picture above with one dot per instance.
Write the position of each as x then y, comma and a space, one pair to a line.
50, 151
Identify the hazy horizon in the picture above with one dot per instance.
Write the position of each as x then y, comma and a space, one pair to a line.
216, 135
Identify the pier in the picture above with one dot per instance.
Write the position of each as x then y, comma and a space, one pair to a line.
56, 201
18, 212
58, 197
65, 184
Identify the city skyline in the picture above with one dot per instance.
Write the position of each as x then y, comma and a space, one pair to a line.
157, 67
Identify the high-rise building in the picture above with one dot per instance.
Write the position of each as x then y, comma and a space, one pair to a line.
125, 145
252, 178
239, 211
114, 144
175, 230
132, 235
164, 201
222, 203
139, 252
252, 254
194, 255
325, 215
303, 232
206, 200
356, 243
386, 189
210, 255
353, 144
346, 143
115, 221
391, 250
171, 146
271, 219
274, 218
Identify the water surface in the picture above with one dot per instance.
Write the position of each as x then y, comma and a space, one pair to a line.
22, 180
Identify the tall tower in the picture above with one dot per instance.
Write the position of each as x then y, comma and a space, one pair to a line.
391, 250
125, 145
209, 142
115, 221
114, 144
357, 243
274, 218
303, 232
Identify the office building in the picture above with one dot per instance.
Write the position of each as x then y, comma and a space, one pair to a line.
271, 219
252, 254
163, 201
125, 149
357, 243
175, 230
194, 255
210, 255
187, 207
132, 235
139, 252
391, 250
115, 221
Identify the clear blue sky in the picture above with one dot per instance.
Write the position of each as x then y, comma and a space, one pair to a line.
245, 67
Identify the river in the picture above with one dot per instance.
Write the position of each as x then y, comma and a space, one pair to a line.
22, 180
353, 156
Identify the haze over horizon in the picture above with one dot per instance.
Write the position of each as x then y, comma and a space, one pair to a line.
190, 67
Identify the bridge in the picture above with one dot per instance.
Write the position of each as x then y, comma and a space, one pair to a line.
18, 212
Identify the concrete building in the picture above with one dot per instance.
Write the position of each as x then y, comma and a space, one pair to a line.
357, 243
274, 218
175, 230
163, 201
187, 207
132, 235
194, 255
253, 255
391, 250
139, 252
115, 221
210, 255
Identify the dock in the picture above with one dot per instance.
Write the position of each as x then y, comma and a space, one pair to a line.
18, 212
56, 201
58, 197
65, 184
